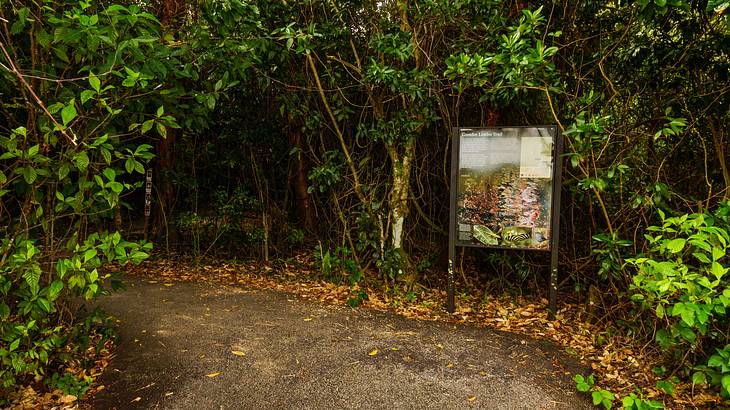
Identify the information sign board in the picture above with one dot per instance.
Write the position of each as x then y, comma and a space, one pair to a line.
505, 192
504, 187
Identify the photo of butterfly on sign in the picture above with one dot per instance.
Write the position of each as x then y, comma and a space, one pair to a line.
504, 187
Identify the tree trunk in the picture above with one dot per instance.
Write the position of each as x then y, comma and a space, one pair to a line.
398, 199
305, 210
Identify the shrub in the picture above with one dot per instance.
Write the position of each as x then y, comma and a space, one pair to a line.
683, 279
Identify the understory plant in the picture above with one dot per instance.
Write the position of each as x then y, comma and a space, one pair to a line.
71, 77
683, 280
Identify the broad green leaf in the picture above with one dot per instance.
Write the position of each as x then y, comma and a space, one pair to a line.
701, 257
138, 167
54, 289
129, 165
717, 253
94, 82
86, 95
29, 174
147, 125
718, 270
63, 171
676, 245
116, 187
699, 378
3, 177
4, 311
161, 130
68, 113
109, 173
89, 254
45, 304
107, 155
81, 160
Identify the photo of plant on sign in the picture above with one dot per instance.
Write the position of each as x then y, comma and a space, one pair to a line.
504, 190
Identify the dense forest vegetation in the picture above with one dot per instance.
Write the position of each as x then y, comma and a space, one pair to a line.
324, 126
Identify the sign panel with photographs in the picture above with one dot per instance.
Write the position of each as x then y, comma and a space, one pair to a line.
504, 187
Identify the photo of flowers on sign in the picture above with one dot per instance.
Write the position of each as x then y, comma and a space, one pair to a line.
504, 187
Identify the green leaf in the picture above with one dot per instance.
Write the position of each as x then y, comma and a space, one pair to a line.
93, 276
138, 167
129, 165
29, 174
147, 125
94, 82
68, 113
699, 378
86, 95
717, 253
89, 254
116, 187
54, 289
160, 111
597, 398
4, 311
44, 304
33, 151
107, 155
718, 270
726, 383
109, 173
14, 345
666, 386
676, 245
63, 171
701, 257
161, 130
3, 178
81, 160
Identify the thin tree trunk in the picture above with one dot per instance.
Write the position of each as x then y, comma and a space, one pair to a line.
304, 206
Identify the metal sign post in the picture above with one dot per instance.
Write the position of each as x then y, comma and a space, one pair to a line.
505, 194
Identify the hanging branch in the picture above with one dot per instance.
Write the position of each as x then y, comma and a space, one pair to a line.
14, 69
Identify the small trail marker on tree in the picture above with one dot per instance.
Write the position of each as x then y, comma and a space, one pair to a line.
147, 200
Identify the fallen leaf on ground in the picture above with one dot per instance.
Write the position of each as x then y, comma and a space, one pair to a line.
373, 353
69, 398
307, 319
471, 398
136, 399
238, 353
216, 374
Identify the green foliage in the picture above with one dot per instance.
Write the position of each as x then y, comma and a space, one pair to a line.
606, 399
70, 384
683, 279
337, 266
68, 159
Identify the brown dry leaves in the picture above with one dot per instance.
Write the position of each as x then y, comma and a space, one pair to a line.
28, 398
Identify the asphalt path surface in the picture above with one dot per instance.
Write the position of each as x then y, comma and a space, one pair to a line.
203, 346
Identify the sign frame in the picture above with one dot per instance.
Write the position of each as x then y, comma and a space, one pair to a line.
555, 184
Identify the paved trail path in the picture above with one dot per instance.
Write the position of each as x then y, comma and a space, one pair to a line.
303, 355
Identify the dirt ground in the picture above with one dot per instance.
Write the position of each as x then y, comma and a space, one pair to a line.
203, 346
